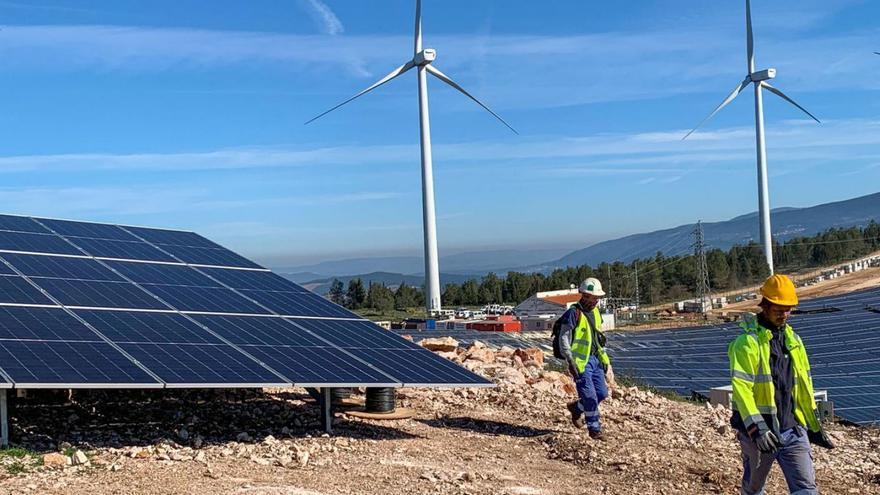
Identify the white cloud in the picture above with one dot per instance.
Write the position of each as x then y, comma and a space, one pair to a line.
603, 153
555, 70
322, 14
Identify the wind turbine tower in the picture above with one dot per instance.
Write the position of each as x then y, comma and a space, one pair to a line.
422, 60
760, 80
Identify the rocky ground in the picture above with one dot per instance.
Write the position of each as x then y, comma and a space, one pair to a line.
512, 439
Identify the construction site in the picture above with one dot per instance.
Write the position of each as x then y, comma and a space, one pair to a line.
138, 355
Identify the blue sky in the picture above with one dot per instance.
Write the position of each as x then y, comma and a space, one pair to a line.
189, 114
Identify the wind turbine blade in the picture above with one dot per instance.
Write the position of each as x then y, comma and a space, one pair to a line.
750, 41
780, 94
417, 46
736, 91
396, 72
876, 53
443, 77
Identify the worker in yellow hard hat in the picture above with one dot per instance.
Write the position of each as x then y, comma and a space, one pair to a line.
774, 411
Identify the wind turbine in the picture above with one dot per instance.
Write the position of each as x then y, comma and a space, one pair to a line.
422, 60
759, 80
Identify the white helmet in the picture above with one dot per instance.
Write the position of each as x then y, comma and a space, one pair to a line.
591, 286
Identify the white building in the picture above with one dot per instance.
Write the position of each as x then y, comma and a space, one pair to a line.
538, 312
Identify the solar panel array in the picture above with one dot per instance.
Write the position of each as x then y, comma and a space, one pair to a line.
86, 305
841, 334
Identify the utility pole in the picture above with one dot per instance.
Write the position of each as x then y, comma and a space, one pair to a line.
702, 269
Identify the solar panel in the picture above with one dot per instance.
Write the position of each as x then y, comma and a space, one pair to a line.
171, 237
843, 347
88, 293
82, 229
36, 243
86, 305
17, 290
103, 248
61, 267
154, 273
21, 224
209, 256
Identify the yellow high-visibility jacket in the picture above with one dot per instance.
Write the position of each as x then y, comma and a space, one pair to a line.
583, 343
753, 392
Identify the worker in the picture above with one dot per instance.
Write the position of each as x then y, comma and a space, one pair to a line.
774, 409
581, 342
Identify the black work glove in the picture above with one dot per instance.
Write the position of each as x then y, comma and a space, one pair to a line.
820, 438
573, 371
768, 442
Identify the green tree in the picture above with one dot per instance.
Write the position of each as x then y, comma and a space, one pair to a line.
337, 292
380, 297
405, 296
356, 294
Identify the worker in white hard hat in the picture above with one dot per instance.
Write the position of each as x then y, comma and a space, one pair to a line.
582, 346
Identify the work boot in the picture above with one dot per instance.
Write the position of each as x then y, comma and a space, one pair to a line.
577, 417
597, 435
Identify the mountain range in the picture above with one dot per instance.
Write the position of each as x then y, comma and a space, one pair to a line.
787, 223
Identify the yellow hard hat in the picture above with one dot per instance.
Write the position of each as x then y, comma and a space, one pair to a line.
779, 289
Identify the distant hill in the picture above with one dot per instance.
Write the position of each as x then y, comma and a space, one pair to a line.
787, 223
391, 280
469, 263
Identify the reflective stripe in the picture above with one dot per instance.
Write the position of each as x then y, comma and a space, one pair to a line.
581, 341
580, 355
767, 409
750, 377
752, 420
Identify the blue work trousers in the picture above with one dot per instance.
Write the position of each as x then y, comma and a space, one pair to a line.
795, 458
591, 391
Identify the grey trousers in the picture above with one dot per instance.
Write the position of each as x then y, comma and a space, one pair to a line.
795, 458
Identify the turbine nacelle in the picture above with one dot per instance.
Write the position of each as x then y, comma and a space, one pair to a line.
425, 57
762, 75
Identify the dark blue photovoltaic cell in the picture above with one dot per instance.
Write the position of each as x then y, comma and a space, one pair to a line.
298, 304
61, 267
17, 290
201, 364
348, 333
102, 248
208, 256
36, 243
256, 330
5, 270
153, 273
214, 300
143, 327
99, 294
313, 365
171, 237
68, 228
21, 224
22, 323
417, 367
69, 363
254, 280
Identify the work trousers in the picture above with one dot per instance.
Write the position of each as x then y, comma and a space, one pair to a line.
794, 457
592, 390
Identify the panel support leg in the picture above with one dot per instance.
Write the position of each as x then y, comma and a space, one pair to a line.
4, 420
326, 410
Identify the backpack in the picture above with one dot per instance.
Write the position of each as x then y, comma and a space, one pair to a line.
557, 329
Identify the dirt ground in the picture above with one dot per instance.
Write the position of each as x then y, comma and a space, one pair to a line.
516, 438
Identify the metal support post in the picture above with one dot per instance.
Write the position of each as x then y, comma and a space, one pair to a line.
4, 419
327, 409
